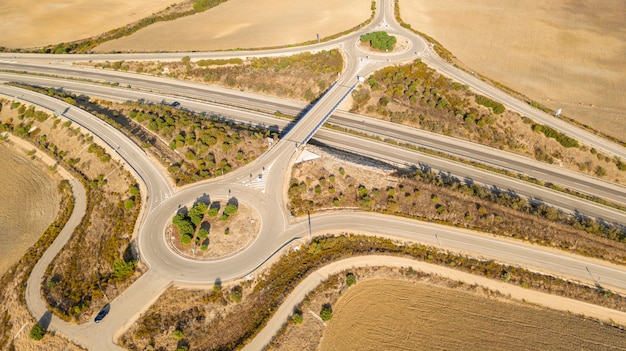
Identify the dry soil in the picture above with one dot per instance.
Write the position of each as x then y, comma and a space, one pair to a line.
567, 54
31, 23
247, 24
29, 203
400, 315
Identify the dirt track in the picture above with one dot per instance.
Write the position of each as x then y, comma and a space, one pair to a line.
567, 54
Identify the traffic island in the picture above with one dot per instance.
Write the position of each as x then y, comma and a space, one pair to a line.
212, 229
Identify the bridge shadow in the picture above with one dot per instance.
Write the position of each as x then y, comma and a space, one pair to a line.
45, 320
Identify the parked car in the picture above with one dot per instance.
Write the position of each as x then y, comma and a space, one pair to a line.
103, 313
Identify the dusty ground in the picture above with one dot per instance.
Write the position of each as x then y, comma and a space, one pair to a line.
565, 54
242, 228
247, 24
400, 315
29, 202
30, 23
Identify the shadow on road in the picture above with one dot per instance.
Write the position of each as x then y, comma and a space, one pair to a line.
45, 320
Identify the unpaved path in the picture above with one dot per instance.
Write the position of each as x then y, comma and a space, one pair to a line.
515, 292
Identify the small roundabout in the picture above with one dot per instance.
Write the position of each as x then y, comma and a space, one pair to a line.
222, 227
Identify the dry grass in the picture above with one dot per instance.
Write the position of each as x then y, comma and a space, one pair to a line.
400, 315
247, 24
29, 202
565, 54
30, 23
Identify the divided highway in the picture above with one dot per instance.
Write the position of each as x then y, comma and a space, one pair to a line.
278, 230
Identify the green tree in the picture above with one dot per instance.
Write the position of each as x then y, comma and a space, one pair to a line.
230, 209
37, 332
196, 213
178, 334
203, 233
123, 269
350, 279
326, 313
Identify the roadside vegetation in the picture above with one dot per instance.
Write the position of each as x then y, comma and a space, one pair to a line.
191, 146
328, 184
304, 76
213, 321
98, 261
414, 94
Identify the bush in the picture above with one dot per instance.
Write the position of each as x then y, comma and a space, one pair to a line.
37, 332
297, 318
185, 239
178, 334
326, 313
350, 279
230, 209
203, 233
495, 106
123, 269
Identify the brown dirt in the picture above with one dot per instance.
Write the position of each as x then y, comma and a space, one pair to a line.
242, 228
399, 315
247, 24
564, 54
29, 202
30, 23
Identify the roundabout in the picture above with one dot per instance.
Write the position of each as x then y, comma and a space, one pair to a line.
271, 226
218, 235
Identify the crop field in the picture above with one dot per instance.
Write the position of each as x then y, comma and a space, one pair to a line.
398, 315
566, 54
31, 23
29, 203
248, 24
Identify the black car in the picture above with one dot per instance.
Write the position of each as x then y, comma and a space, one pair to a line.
175, 104
100, 316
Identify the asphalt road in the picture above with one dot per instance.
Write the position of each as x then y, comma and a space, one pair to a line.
277, 231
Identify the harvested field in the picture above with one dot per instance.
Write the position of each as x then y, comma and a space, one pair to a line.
30, 23
247, 24
29, 203
565, 54
400, 315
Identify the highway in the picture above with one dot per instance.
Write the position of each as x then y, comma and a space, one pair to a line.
278, 230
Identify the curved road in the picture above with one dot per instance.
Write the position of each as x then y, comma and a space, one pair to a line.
276, 231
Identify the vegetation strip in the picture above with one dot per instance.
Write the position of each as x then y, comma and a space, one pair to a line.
248, 317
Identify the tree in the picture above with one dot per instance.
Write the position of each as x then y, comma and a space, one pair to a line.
230, 209
350, 279
326, 313
203, 233
196, 213
37, 332
123, 269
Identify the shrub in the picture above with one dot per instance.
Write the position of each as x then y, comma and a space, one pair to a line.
236, 294
297, 318
37, 332
185, 239
326, 313
203, 233
178, 334
495, 106
123, 269
230, 209
350, 279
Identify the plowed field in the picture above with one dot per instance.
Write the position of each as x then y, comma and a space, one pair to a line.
29, 203
567, 54
398, 315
